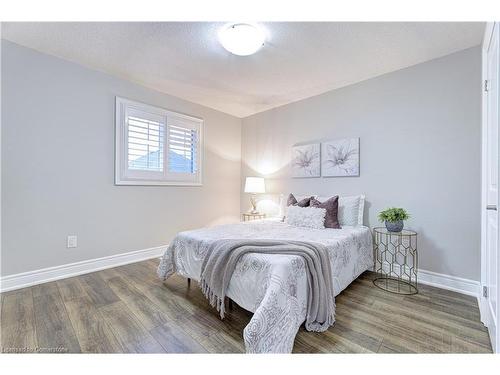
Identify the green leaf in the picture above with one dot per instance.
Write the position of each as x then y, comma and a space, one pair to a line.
393, 214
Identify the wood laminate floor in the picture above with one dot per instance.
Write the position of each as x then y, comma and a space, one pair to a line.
128, 309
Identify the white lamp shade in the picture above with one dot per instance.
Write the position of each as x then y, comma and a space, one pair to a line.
255, 185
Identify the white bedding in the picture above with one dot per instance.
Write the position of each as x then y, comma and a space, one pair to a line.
273, 287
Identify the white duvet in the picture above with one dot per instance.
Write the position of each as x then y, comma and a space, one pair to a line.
273, 287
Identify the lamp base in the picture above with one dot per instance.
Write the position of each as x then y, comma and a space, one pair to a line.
253, 201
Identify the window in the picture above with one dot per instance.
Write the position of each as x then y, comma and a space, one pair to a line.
155, 146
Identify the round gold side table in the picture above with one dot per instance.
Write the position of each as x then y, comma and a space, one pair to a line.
396, 260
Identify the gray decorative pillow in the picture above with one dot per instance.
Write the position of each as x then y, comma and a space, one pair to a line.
351, 209
332, 209
292, 201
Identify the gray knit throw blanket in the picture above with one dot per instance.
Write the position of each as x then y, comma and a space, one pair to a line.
223, 255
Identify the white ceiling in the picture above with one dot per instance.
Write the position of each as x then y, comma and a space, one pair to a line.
299, 59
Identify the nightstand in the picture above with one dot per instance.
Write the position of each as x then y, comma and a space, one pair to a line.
396, 260
248, 216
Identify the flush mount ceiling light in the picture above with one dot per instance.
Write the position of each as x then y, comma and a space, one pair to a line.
241, 38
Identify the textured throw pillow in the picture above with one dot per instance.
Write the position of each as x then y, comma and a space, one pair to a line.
292, 201
308, 217
332, 208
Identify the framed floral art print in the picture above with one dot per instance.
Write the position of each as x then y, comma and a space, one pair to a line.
340, 158
306, 160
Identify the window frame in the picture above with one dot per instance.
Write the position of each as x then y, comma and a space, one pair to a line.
126, 176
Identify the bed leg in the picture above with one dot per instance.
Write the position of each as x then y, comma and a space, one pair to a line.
189, 282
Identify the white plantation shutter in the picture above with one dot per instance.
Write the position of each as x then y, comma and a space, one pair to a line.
155, 146
182, 148
145, 141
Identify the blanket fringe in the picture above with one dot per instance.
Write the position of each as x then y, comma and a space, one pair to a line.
213, 299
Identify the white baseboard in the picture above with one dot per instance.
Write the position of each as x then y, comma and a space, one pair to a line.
484, 311
23, 280
439, 280
453, 283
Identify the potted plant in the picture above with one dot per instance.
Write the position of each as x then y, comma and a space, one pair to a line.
393, 218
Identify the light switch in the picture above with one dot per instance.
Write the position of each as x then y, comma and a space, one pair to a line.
71, 242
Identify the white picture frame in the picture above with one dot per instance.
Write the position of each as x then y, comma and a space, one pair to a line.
340, 158
306, 161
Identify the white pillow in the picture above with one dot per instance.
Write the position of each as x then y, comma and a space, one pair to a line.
351, 209
308, 217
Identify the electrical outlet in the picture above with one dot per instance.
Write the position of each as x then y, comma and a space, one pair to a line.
71, 242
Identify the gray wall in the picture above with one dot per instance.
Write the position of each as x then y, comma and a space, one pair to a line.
58, 167
420, 149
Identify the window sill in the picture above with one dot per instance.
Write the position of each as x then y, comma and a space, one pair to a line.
156, 183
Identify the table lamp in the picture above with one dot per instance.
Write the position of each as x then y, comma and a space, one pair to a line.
254, 185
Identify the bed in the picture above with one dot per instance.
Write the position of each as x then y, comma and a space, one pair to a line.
272, 286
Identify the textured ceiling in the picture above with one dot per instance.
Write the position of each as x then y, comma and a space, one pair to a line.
299, 59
